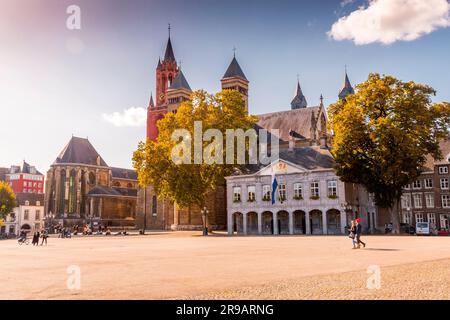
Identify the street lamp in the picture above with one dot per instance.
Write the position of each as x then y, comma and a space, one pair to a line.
205, 212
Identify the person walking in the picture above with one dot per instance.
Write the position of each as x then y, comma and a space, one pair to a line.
35, 241
44, 237
358, 234
352, 233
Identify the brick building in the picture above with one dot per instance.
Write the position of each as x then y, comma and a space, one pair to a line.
428, 198
25, 179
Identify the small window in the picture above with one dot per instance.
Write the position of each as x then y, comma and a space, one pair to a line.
282, 192
266, 196
417, 197
431, 219
26, 215
444, 183
332, 188
406, 201
429, 200
237, 194
419, 218
154, 206
315, 189
428, 183
443, 170
298, 194
417, 184
37, 215
445, 201
27, 203
251, 193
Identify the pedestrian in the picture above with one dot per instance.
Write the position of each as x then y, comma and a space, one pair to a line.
358, 234
352, 233
35, 241
44, 237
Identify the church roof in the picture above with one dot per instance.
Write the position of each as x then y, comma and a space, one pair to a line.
32, 198
295, 122
234, 70
299, 100
114, 192
169, 52
310, 158
347, 88
180, 82
121, 173
80, 150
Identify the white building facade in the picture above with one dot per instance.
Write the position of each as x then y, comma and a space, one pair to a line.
310, 198
28, 215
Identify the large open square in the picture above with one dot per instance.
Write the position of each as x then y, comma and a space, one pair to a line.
180, 265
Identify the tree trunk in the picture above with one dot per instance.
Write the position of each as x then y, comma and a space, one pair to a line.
393, 212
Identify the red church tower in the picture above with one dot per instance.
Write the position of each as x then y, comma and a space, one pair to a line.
166, 72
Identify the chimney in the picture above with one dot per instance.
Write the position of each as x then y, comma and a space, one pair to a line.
291, 141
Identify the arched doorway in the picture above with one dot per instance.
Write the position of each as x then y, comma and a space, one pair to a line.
283, 222
238, 223
315, 217
26, 227
334, 221
252, 223
267, 222
299, 222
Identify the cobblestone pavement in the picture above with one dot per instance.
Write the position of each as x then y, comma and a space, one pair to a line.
176, 265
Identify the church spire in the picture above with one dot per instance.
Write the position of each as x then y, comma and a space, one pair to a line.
299, 100
169, 55
151, 103
347, 88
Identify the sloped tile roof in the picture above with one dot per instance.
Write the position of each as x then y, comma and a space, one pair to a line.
80, 150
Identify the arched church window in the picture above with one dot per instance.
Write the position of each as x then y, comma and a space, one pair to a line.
72, 191
62, 194
129, 185
154, 205
91, 178
116, 184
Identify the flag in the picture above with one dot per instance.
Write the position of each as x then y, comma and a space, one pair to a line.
274, 187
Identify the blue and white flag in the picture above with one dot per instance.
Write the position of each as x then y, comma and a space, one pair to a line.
274, 187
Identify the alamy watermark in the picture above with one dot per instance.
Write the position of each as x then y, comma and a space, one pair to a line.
74, 277
213, 153
374, 280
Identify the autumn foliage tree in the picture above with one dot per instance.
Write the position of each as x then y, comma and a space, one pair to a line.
189, 184
383, 134
7, 199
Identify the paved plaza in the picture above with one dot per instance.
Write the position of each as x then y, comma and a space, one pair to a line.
179, 265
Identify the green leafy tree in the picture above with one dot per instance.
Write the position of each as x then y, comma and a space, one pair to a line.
189, 184
383, 134
7, 199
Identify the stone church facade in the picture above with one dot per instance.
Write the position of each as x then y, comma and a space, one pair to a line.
82, 189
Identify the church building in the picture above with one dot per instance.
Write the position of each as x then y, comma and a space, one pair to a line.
82, 189
299, 127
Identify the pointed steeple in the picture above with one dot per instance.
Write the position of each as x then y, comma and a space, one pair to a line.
347, 88
151, 103
169, 51
299, 100
159, 63
180, 82
234, 70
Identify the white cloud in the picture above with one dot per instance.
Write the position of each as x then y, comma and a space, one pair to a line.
131, 117
388, 21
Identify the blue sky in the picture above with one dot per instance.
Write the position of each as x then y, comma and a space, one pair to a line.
56, 82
